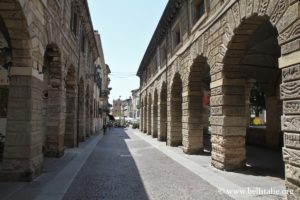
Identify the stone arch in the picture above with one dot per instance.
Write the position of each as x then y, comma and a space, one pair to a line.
71, 108
53, 98
162, 128
81, 107
155, 114
149, 116
196, 110
174, 136
253, 48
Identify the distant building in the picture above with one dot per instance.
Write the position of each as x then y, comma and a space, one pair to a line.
135, 94
116, 109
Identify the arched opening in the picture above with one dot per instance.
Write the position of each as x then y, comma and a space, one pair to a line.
71, 108
81, 112
251, 68
175, 125
196, 123
53, 106
154, 122
87, 111
149, 117
5, 64
162, 133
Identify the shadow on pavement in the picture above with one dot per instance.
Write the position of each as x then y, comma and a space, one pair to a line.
109, 173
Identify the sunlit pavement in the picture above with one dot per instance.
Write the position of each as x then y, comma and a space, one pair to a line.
127, 164
124, 166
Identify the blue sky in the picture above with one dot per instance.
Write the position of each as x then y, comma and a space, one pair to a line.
126, 28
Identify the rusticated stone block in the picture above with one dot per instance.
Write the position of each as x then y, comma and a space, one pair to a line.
292, 173
229, 142
228, 121
291, 107
290, 90
291, 156
292, 140
227, 100
228, 131
291, 73
227, 90
290, 123
293, 190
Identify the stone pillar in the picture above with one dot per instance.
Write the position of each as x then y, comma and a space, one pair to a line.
145, 119
23, 157
290, 122
193, 120
54, 146
273, 132
162, 121
149, 118
82, 133
141, 127
154, 120
228, 124
174, 135
71, 115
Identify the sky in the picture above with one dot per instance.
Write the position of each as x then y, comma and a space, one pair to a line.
126, 28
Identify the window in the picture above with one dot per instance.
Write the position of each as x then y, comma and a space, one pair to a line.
74, 21
82, 42
176, 38
198, 9
163, 54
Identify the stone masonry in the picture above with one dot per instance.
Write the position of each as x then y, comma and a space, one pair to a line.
51, 102
221, 47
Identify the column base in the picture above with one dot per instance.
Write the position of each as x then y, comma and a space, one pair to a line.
54, 153
162, 138
192, 151
174, 143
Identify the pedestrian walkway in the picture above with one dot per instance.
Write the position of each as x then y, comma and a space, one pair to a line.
126, 164
56, 177
238, 185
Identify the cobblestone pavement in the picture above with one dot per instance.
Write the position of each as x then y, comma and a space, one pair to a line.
123, 166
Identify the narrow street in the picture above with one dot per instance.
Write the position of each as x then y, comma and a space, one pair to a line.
123, 166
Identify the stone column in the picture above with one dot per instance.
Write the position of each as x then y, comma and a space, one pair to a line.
162, 121
290, 121
82, 133
193, 120
145, 119
273, 105
154, 121
174, 136
228, 124
23, 157
141, 127
71, 111
54, 146
149, 118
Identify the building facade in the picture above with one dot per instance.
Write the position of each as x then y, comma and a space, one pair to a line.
221, 50
135, 94
48, 97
